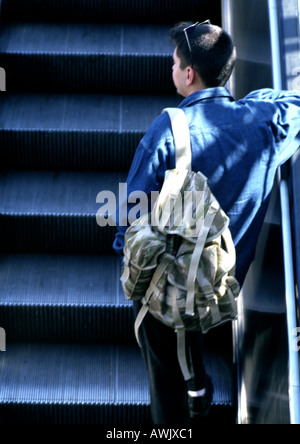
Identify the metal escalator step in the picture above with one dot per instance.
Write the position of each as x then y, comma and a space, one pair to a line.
88, 384
55, 211
87, 57
73, 384
72, 298
64, 298
219, 366
61, 233
146, 11
85, 38
67, 131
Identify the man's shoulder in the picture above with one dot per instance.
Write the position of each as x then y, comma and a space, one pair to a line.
159, 132
161, 124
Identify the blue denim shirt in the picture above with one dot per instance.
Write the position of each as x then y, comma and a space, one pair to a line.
237, 145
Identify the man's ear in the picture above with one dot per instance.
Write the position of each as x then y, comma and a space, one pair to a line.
190, 76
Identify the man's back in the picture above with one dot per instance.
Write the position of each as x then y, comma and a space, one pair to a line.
237, 145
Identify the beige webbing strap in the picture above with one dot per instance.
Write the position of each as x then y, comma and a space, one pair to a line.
194, 265
145, 308
182, 141
180, 331
138, 322
230, 249
181, 353
168, 202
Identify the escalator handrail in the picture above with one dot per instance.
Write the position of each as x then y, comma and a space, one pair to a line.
294, 374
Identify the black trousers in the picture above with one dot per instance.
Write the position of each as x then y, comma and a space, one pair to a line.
168, 389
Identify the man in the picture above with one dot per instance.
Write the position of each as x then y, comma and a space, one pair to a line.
238, 146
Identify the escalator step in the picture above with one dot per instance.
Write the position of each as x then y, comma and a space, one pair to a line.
146, 11
73, 384
55, 211
63, 298
54, 233
74, 299
94, 132
87, 58
87, 384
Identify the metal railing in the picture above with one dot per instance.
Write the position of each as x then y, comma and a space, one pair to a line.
294, 374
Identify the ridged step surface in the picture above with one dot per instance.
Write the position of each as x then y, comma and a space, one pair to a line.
87, 57
168, 11
73, 384
70, 298
55, 211
64, 298
75, 131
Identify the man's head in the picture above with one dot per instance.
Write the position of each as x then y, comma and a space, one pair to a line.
204, 57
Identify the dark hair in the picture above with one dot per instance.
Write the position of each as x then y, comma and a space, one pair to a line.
213, 53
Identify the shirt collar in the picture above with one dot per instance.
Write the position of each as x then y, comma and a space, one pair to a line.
206, 94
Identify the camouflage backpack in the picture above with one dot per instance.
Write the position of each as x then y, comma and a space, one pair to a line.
180, 259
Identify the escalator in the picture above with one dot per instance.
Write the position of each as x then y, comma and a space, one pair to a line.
84, 80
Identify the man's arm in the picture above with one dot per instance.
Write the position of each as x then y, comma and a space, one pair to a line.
284, 107
151, 160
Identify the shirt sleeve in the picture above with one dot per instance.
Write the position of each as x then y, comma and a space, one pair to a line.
146, 175
283, 108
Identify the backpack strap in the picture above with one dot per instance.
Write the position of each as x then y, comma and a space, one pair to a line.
160, 270
227, 237
182, 141
208, 221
